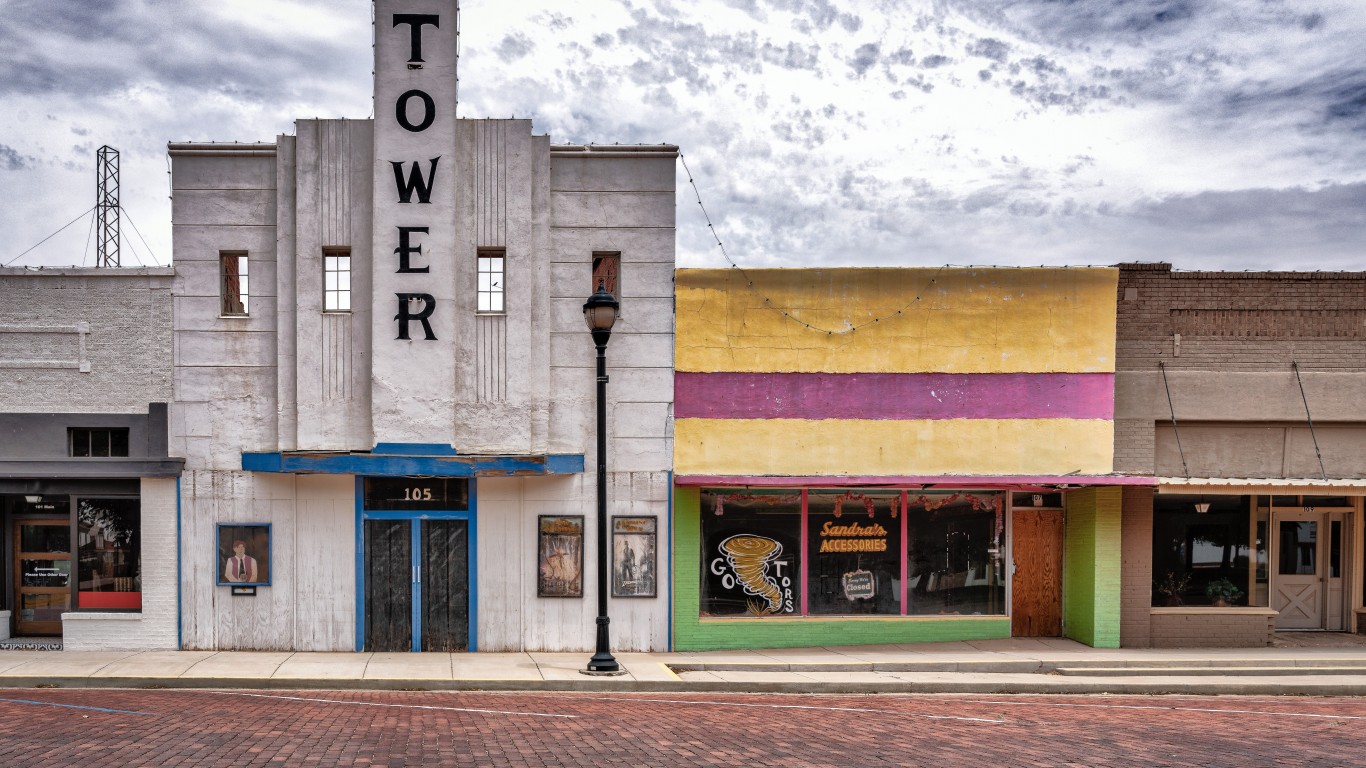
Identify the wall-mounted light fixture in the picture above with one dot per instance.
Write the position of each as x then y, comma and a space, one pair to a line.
1202, 507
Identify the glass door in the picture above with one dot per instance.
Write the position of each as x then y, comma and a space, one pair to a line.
1297, 584
42, 575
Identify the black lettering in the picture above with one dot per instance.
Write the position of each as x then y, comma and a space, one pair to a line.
406, 248
404, 316
414, 182
428, 114
415, 22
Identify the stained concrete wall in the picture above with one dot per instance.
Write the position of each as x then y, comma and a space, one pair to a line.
86, 340
291, 376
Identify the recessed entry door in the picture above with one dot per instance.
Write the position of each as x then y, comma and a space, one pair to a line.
417, 580
42, 575
1298, 582
1036, 587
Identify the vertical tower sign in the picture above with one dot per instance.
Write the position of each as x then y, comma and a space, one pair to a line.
414, 217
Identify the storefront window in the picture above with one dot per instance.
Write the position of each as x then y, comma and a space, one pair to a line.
751, 547
855, 557
1205, 558
110, 567
954, 555
868, 551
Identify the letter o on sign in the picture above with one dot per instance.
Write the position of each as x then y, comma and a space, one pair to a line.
428, 111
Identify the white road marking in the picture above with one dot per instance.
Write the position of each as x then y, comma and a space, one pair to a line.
1166, 709
398, 706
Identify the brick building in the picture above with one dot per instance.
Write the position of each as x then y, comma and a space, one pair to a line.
87, 489
895, 455
1244, 394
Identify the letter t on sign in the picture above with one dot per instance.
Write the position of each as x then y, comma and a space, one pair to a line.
415, 22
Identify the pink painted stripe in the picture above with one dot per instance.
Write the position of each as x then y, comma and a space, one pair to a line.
1016, 482
894, 395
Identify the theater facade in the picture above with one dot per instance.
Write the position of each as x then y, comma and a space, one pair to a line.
384, 386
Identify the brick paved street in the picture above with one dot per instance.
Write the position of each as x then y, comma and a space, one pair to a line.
118, 728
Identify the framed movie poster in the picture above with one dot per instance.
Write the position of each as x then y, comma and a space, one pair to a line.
243, 554
559, 556
634, 555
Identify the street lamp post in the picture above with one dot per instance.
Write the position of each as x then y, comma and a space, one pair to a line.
600, 312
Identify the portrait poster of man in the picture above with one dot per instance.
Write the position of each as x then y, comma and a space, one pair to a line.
559, 571
243, 554
633, 556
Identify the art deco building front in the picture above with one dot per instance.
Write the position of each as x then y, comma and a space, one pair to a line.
384, 385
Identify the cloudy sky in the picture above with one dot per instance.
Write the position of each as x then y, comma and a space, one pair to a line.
1215, 134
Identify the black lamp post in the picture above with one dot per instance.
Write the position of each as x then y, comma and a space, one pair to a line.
600, 312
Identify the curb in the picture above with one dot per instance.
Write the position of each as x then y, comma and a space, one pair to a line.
1050, 684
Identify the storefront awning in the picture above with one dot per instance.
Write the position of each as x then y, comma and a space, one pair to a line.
82, 468
1019, 482
406, 464
1248, 485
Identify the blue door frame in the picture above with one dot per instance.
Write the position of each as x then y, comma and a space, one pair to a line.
415, 532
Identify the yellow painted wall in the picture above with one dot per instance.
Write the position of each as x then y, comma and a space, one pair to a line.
873, 447
991, 320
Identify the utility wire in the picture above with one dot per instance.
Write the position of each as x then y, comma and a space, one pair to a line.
749, 283
49, 237
150, 254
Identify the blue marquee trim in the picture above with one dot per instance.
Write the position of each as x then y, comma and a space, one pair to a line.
372, 465
413, 449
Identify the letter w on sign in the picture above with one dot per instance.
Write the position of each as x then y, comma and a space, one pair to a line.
414, 182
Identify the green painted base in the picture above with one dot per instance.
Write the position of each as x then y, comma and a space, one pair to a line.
734, 634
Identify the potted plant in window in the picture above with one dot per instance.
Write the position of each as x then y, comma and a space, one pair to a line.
1222, 592
1172, 585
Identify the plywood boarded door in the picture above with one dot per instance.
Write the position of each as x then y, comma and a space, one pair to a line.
445, 586
1036, 588
389, 576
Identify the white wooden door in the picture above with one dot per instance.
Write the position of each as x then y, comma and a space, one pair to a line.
1298, 580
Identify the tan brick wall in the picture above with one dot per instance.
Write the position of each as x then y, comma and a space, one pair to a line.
1240, 321
1213, 629
1135, 445
1136, 568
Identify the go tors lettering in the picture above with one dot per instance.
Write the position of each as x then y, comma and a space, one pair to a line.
751, 563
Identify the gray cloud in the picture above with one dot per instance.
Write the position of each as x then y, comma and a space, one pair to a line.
11, 160
102, 47
515, 46
865, 56
989, 48
1334, 98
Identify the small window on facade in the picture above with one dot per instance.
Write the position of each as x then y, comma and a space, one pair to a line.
109, 572
491, 282
98, 442
336, 281
233, 270
607, 271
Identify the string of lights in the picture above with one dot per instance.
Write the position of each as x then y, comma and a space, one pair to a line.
768, 303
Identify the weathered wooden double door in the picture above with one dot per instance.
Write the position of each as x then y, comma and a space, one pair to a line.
417, 584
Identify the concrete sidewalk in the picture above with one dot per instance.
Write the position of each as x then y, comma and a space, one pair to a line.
993, 666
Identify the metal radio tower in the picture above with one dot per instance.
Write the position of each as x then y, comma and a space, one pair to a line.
107, 206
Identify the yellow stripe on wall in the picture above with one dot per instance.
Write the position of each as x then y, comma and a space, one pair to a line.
968, 320
796, 447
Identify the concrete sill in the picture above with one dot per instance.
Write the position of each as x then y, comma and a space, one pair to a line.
842, 618
1209, 610
97, 616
